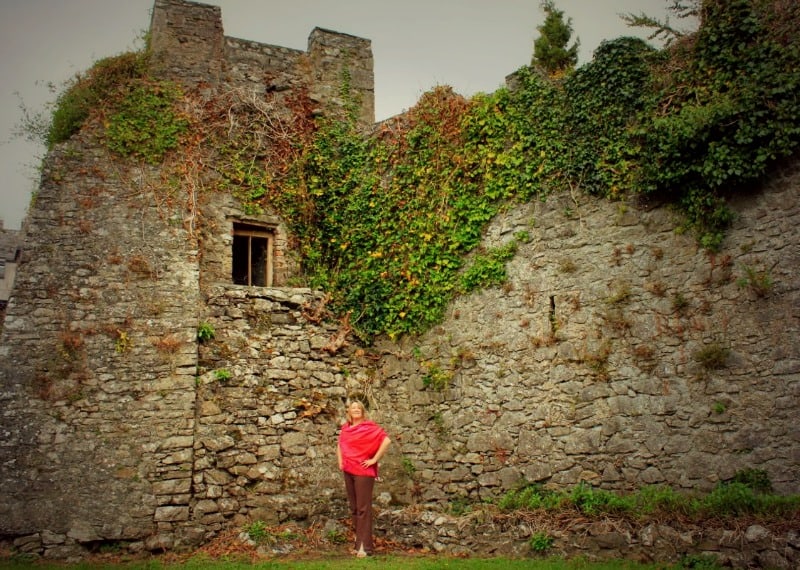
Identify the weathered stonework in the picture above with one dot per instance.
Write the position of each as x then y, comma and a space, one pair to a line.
118, 424
592, 375
190, 47
98, 352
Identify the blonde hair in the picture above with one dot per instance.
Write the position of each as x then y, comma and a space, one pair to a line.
358, 403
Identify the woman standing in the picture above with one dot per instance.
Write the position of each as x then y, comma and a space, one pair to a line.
362, 443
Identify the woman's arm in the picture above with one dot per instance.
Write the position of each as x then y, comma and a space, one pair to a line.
339, 456
378, 454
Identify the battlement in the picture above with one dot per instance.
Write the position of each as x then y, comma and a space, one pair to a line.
190, 47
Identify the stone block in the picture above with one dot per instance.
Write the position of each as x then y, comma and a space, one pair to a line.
219, 443
50, 538
171, 514
172, 486
28, 544
294, 443
177, 442
159, 542
205, 507
217, 477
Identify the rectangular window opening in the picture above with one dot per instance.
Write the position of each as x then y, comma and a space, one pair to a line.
252, 255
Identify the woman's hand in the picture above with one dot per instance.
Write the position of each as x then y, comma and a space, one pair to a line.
377, 457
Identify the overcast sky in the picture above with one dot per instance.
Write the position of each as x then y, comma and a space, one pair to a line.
470, 45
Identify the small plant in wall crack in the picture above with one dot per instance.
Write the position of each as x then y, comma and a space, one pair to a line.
436, 378
409, 468
438, 425
645, 357
522, 236
205, 332
712, 356
567, 265
71, 345
258, 532
759, 281
540, 542
140, 266
167, 344
222, 375
680, 304
597, 361
123, 342
615, 317
620, 294
461, 358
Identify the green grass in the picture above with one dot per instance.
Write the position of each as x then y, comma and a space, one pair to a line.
382, 562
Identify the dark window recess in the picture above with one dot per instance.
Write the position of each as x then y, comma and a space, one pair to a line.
252, 255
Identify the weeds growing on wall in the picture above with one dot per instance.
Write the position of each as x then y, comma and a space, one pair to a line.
724, 109
393, 217
146, 123
206, 332
253, 142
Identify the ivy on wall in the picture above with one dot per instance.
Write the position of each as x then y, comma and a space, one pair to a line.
725, 109
146, 123
387, 222
396, 215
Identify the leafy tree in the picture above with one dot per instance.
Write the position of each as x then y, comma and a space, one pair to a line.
550, 50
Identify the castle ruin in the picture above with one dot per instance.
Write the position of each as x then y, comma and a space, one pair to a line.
120, 424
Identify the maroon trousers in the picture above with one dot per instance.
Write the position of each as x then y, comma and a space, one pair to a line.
359, 494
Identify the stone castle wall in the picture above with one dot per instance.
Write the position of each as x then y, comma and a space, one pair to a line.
188, 42
98, 353
189, 45
118, 424
615, 396
587, 365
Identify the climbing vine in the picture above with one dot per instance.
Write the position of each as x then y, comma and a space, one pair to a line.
95, 91
387, 221
394, 215
254, 142
146, 123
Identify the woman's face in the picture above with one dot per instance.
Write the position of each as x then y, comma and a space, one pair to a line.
355, 411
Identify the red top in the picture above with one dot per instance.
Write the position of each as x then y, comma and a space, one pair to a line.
358, 443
